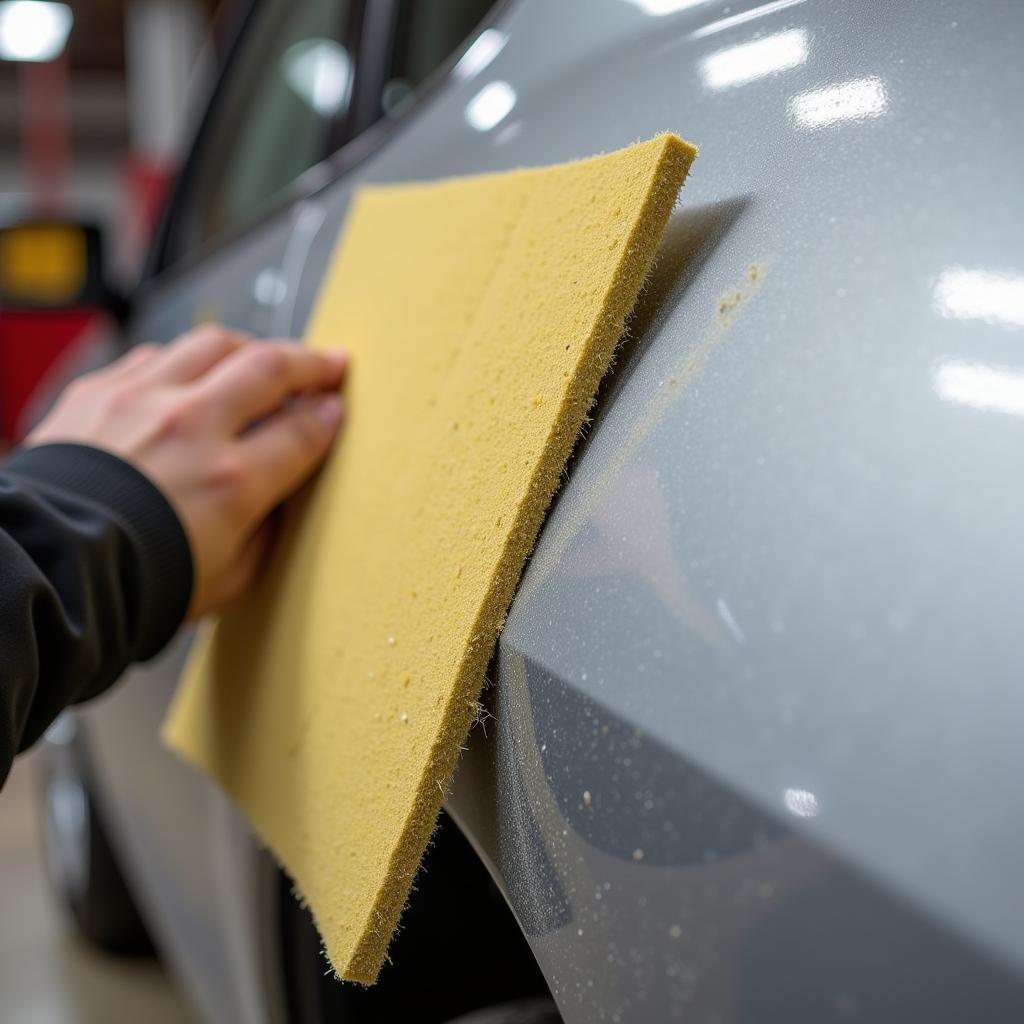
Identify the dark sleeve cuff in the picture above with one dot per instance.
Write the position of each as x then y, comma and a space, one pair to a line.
141, 511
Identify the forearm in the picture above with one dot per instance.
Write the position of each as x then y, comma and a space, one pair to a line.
95, 573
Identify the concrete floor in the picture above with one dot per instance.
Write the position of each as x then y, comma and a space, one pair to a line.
47, 976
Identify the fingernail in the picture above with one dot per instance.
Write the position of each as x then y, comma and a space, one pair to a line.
328, 411
338, 356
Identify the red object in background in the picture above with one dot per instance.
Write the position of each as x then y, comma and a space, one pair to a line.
40, 352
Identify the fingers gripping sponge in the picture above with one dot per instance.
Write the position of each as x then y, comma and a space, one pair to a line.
332, 702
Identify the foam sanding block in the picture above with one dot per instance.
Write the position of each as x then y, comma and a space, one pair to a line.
331, 703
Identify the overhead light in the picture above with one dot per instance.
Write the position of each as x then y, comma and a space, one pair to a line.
981, 295
737, 65
320, 71
485, 48
992, 388
658, 8
848, 101
33, 30
490, 105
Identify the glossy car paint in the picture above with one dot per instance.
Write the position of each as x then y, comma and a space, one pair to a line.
754, 749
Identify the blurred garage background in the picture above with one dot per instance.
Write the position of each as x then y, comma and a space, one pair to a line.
96, 100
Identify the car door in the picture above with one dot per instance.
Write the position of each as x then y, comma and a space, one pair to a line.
760, 600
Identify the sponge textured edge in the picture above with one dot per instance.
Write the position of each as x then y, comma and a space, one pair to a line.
669, 171
357, 908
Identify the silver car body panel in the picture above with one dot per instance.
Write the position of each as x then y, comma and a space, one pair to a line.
755, 741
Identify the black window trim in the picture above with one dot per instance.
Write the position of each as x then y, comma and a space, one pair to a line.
363, 141
157, 262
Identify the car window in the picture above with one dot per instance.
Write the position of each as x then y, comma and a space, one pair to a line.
428, 33
275, 116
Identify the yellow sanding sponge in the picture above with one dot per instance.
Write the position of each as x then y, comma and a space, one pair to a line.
331, 703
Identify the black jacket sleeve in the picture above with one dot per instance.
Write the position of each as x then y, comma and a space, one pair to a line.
95, 573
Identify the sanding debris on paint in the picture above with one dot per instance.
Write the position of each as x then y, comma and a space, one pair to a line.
331, 703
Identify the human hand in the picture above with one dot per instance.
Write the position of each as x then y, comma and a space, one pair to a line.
226, 426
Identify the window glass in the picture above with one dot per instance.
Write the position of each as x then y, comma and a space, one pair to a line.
428, 33
275, 116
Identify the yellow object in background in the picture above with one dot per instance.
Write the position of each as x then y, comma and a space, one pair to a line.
43, 263
331, 703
